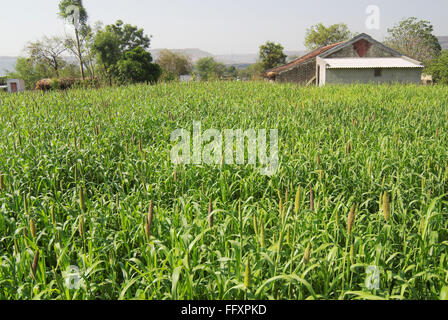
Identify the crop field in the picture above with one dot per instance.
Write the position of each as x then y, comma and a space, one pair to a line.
358, 208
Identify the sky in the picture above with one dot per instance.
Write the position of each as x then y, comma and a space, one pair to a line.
218, 27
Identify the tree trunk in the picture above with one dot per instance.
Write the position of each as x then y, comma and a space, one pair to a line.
56, 66
78, 46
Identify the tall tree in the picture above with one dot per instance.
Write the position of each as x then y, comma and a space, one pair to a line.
136, 66
130, 36
86, 41
271, 55
209, 69
75, 14
174, 64
415, 39
107, 49
47, 51
121, 50
319, 35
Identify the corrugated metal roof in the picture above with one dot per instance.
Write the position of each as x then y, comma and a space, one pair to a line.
300, 60
367, 63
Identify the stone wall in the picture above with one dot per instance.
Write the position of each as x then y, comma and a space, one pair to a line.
301, 74
374, 51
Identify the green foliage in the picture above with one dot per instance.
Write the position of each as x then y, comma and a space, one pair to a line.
107, 49
415, 39
114, 144
271, 55
209, 69
121, 51
439, 68
130, 37
48, 52
137, 66
319, 35
174, 64
252, 71
31, 71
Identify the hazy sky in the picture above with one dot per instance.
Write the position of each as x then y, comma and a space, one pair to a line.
220, 27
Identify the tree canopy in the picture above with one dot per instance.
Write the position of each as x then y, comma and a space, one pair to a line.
106, 47
271, 55
319, 35
439, 68
130, 37
174, 64
209, 69
137, 66
48, 51
415, 39
121, 51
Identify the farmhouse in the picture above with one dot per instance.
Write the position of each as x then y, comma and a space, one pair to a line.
359, 60
15, 85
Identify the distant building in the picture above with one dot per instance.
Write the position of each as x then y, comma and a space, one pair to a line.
15, 85
359, 60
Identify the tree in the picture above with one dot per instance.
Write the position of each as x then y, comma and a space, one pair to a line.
32, 71
209, 69
121, 49
251, 71
107, 49
47, 51
27, 70
318, 35
75, 13
130, 37
415, 39
439, 68
86, 40
231, 72
271, 55
174, 64
137, 66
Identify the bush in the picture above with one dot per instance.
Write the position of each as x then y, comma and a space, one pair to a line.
67, 83
439, 68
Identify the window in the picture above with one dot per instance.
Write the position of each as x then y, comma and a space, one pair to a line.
378, 72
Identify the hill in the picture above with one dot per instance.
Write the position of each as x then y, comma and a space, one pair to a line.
228, 59
194, 53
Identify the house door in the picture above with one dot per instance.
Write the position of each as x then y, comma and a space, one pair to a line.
318, 76
13, 87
